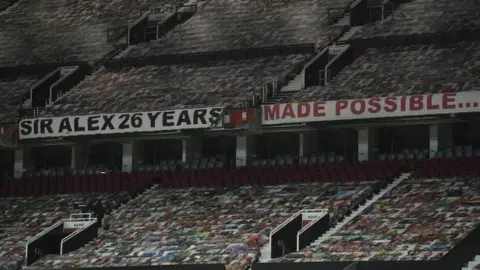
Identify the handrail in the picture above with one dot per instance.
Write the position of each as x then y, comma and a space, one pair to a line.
286, 222
39, 82
42, 233
315, 58
352, 266
145, 15
345, 48
73, 70
315, 210
70, 236
282, 225
173, 13
310, 224
84, 215
311, 62
355, 3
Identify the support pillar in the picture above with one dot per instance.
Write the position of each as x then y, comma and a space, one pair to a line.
308, 143
191, 149
246, 149
127, 156
433, 139
440, 137
367, 143
18, 166
22, 160
79, 156
132, 155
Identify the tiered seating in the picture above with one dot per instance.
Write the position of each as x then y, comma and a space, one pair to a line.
272, 175
5, 3
174, 175
228, 24
11, 93
23, 218
45, 31
204, 225
159, 87
416, 70
425, 16
421, 219
39, 185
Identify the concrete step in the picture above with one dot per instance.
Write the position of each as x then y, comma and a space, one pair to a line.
295, 84
360, 209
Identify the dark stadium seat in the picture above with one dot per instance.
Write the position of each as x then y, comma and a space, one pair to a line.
227, 25
205, 225
417, 70
12, 92
5, 3
423, 17
35, 32
152, 88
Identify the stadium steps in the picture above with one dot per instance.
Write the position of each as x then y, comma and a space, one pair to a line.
280, 97
360, 209
349, 34
295, 84
473, 263
265, 253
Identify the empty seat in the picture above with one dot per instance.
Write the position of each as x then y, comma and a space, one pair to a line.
416, 70
153, 88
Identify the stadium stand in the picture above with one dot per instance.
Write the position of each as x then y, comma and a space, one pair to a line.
38, 32
24, 217
150, 88
421, 219
244, 201
204, 210
60, 182
211, 226
12, 92
417, 70
5, 3
424, 17
229, 25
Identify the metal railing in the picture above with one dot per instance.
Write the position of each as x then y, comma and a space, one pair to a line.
137, 21
311, 223
44, 232
70, 236
71, 70
279, 227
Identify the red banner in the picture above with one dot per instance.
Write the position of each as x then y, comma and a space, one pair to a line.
241, 117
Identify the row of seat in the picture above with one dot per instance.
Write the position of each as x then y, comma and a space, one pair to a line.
152, 88
12, 91
48, 185
210, 177
423, 17
5, 3
228, 25
277, 175
420, 219
417, 70
45, 31
204, 225
23, 217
